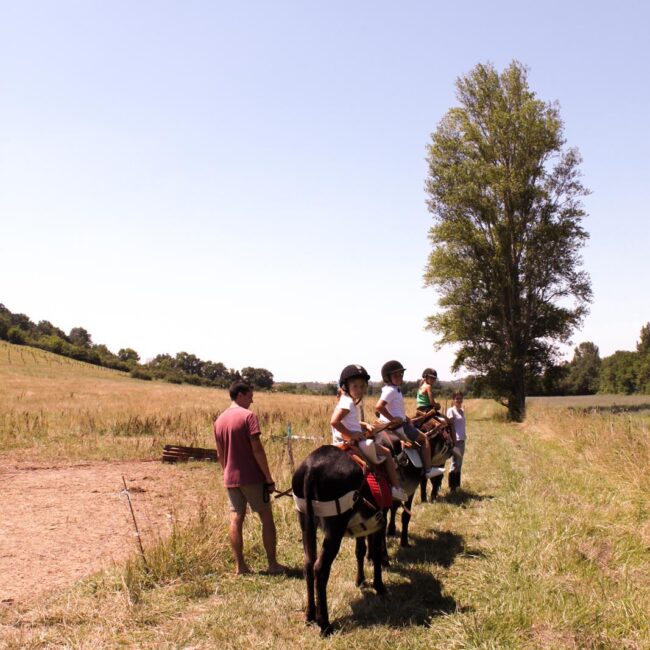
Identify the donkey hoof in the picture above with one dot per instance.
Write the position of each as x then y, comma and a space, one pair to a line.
404, 544
326, 630
381, 590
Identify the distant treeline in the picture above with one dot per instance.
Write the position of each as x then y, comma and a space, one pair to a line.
443, 389
624, 372
78, 344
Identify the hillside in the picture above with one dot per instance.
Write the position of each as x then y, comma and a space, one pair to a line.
54, 408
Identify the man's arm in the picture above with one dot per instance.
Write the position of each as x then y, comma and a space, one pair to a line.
222, 460
260, 458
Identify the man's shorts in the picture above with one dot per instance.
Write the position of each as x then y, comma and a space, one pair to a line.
254, 494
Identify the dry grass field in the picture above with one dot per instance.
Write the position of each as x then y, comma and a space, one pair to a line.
546, 546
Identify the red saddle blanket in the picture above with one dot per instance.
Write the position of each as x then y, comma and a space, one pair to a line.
380, 490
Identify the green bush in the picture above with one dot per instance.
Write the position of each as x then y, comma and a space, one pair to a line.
137, 373
16, 335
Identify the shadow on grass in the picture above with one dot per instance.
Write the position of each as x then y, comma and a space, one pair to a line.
462, 497
440, 547
613, 408
418, 597
297, 573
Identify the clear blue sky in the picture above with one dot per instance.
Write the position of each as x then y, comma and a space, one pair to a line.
244, 180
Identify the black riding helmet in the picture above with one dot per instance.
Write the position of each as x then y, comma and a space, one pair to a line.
389, 368
353, 371
429, 372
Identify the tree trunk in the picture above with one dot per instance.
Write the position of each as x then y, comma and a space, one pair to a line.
517, 397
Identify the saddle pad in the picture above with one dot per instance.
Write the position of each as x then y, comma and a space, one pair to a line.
327, 508
380, 490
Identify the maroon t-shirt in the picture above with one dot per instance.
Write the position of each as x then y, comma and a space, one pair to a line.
233, 430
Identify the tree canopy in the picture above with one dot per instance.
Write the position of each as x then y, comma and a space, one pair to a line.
257, 377
505, 195
584, 370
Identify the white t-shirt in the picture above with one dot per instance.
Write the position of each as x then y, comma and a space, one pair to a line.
352, 421
394, 402
458, 417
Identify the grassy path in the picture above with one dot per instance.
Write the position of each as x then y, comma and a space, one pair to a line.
539, 550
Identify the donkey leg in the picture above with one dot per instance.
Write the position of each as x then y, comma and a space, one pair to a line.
309, 547
436, 483
423, 489
390, 531
385, 560
360, 552
375, 542
406, 518
322, 568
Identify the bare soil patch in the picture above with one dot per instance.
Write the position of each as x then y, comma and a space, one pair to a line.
59, 523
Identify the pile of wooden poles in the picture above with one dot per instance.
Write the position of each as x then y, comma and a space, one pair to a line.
178, 454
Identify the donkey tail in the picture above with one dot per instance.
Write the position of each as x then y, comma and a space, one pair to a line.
310, 519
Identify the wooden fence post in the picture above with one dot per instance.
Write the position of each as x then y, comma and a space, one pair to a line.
292, 465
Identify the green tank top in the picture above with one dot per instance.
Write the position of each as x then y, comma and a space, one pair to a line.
422, 400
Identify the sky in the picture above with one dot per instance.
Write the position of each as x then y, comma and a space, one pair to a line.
244, 180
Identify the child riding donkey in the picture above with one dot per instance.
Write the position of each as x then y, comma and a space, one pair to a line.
425, 401
333, 490
348, 428
439, 429
390, 408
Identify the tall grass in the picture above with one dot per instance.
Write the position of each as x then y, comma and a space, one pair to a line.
71, 410
605, 442
546, 546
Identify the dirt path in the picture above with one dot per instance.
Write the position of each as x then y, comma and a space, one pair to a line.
58, 524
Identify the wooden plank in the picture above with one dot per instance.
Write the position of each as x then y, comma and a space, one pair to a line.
179, 453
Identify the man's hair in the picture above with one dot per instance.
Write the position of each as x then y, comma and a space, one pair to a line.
239, 387
458, 393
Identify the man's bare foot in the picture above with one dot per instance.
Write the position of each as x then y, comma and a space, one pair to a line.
242, 571
276, 569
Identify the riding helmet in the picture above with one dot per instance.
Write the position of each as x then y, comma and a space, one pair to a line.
353, 371
389, 368
429, 372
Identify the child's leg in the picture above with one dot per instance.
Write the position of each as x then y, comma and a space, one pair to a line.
425, 451
391, 471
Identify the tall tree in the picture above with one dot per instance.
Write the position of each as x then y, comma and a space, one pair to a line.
505, 197
643, 344
190, 364
618, 373
80, 336
258, 377
584, 370
128, 354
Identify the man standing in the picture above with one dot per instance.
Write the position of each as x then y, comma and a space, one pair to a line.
246, 474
